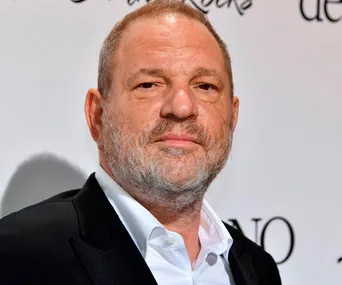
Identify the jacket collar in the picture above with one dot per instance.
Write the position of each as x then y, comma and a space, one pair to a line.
110, 256
240, 261
104, 248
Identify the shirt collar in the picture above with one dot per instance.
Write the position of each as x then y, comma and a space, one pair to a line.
137, 219
214, 236
140, 223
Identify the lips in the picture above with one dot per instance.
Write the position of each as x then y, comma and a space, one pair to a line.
178, 139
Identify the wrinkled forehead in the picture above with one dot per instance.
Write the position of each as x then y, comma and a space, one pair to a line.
165, 20
169, 29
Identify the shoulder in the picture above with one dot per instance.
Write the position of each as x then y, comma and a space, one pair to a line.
39, 215
42, 223
34, 242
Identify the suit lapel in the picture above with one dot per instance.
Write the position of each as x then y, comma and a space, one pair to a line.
109, 255
241, 264
105, 248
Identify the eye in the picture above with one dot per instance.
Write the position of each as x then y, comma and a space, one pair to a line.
146, 85
207, 87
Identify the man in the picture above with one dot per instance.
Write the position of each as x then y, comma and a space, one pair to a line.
163, 118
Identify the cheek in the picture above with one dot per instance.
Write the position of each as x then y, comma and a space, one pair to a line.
141, 123
216, 119
143, 114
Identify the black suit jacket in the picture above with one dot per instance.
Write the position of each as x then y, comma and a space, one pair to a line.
77, 238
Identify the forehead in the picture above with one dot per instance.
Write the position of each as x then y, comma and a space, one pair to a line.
170, 38
164, 24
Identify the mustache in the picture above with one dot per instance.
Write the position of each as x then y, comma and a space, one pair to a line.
188, 126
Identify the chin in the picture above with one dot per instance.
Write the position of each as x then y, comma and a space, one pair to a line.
180, 171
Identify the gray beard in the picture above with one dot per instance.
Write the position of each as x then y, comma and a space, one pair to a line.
148, 178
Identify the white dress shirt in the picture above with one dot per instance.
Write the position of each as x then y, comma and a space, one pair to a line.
164, 251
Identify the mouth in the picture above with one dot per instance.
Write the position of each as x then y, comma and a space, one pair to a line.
178, 140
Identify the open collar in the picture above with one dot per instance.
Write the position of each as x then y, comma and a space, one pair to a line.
138, 221
105, 248
109, 255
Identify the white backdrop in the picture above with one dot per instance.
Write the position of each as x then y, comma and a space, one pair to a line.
286, 158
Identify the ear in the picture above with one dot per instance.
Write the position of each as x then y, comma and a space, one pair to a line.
236, 106
93, 112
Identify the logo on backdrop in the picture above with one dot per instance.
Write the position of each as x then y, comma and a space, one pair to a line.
261, 234
204, 6
321, 10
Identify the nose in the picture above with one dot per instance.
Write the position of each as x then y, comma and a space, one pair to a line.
180, 104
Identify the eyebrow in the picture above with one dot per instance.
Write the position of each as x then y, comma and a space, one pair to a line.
156, 72
161, 72
202, 71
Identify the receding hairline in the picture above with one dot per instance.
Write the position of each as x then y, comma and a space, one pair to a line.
111, 45
154, 17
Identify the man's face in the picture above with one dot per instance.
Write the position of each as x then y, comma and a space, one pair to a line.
169, 118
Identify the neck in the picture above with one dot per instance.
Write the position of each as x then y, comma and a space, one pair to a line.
185, 222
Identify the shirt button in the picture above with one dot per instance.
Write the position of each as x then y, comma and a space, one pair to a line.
171, 239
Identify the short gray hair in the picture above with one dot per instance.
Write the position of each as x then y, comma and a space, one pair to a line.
153, 9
